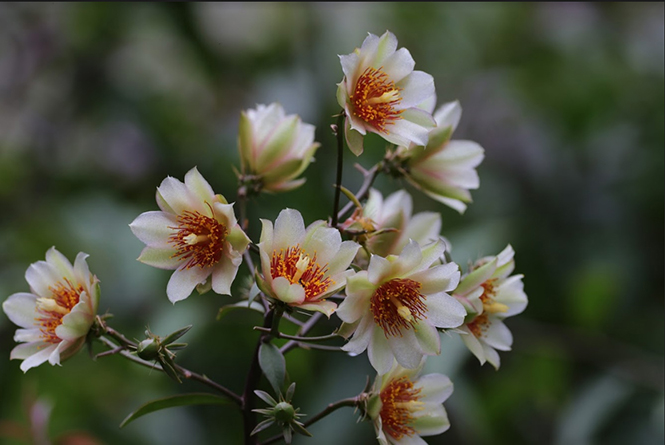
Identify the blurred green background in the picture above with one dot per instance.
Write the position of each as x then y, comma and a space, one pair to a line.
100, 102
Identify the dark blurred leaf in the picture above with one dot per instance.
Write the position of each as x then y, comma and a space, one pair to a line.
273, 365
169, 402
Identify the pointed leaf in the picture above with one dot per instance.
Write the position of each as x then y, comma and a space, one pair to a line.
273, 365
300, 428
288, 436
169, 402
173, 336
265, 397
262, 426
290, 391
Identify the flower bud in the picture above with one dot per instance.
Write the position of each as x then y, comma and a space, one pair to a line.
444, 169
148, 349
284, 412
274, 148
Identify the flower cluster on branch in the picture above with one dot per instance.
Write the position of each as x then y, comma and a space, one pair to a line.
383, 271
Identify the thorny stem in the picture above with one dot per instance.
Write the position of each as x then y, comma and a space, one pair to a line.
353, 401
126, 346
271, 322
340, 166
369, 178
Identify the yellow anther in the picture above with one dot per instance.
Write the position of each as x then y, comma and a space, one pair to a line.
193, 239
494, 307
411, 405
402, 310
301, 267
386, 97
50, 305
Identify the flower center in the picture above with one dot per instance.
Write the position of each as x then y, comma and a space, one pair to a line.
487, 298
199, 239
479, 325
375, 97
399, 400
64, 297
297, 267
398, 304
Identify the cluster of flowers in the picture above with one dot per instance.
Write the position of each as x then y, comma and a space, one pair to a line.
402, 289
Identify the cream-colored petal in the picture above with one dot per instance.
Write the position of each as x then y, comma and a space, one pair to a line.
37, 358
183, 281
223, 274
154, 229
287, 292
379, 352
160, 258
198, 186
406, 349
21, 308
361, 337
289, 229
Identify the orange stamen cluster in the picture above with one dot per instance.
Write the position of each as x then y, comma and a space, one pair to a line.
312, 277
488, 291
199, 239
374, 99
397, 399
398, 304
66, 296
479, 325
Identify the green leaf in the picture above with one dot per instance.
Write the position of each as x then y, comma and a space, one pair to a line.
226, 310
173, 336
169, 402
273, 365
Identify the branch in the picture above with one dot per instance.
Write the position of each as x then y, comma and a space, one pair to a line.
369, 178
340, 166
270, 322
309, 324
297, 338
354, 401
125, 347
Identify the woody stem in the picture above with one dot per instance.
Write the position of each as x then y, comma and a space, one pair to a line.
340, 166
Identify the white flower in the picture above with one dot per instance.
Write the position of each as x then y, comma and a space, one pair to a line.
395, 212
490, 295
302, 267
56, 315
382, 94
443, 169
405, 406
196, 233
274, 148
398, 303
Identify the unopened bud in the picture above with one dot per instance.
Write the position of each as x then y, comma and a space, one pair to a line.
148, 349
284, 412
